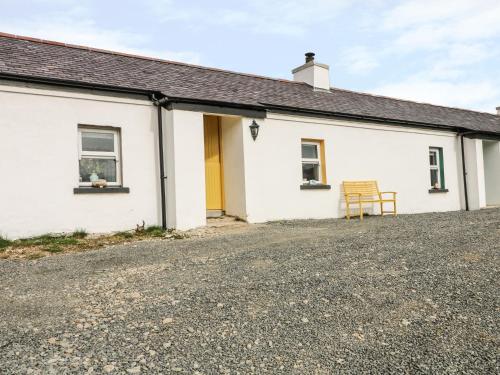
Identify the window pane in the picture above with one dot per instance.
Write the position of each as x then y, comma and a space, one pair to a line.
310, 171
433, 157
434, 177
94, 141
309, 151
103, 168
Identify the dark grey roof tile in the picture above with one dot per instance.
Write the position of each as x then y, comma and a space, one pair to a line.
27, 57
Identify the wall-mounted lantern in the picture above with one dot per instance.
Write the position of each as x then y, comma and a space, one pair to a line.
254, 130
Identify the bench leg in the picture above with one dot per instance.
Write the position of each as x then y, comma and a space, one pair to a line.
348, 211
360, 210
395, 210
381, 208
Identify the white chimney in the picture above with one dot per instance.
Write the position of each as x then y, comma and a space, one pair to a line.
314, 74
498, 111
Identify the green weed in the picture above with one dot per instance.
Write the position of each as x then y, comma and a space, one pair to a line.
154, 231
79, 233
4, 243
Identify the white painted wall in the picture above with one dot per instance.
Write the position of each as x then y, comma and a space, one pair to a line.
492, 171
39, 165
185, 169
397, 157
474, 165
234, 166
39, 162
169, 165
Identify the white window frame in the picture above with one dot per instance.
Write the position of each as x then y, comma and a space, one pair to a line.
312, 160
436, 167
100, 154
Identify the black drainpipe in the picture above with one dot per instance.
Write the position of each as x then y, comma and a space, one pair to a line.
464, 170
159, 104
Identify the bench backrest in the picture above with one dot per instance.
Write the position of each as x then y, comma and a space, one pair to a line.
365, 188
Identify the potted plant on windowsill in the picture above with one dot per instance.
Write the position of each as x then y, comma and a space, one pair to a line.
100, 183
310, 182
96, 181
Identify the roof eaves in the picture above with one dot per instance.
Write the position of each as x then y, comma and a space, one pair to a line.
309, 112
74, 84
173, 99
479, 134
122, 89
261, 107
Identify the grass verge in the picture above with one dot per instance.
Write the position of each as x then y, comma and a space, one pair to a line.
79, 240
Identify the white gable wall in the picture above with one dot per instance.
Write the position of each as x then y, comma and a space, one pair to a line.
39, 162
397, 157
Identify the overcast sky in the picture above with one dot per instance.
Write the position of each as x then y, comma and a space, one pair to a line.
438, 51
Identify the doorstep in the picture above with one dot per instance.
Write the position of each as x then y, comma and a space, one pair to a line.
215, 213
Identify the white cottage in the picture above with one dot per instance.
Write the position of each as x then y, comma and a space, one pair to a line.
177, 143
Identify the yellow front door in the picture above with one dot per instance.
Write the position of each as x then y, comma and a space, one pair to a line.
213, 163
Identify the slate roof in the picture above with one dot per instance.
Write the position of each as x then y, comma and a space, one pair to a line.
28, 57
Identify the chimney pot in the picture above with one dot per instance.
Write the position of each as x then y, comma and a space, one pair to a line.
310, 56
498, 110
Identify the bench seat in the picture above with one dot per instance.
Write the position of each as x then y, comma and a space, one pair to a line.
359, 192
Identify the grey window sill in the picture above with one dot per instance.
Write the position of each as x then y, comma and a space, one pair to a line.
106, 190
433, 191
315, 187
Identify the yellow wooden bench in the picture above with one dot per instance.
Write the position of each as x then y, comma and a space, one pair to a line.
359, 192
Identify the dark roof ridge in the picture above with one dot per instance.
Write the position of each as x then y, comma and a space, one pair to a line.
125, 54
411, 101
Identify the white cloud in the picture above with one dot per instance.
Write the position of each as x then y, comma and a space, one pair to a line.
471, 95
416, 12
426, 24
359, 60
73, 26
449, 40
458, 60
290, 17
283, 17
168, 10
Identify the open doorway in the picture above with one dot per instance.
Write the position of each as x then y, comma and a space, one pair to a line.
214, 170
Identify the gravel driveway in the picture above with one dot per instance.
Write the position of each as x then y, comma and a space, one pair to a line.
412, 294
